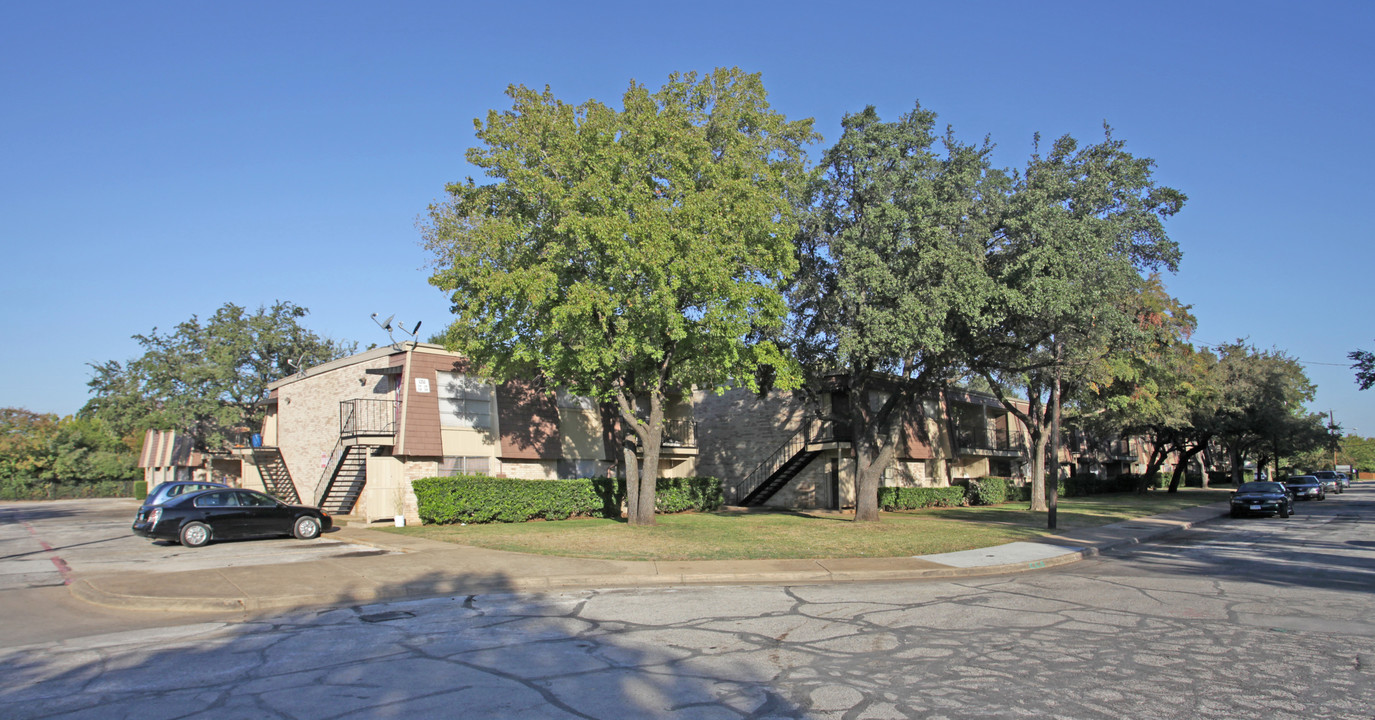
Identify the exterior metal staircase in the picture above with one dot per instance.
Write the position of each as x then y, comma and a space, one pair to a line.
364, 425
343, 478
275, 474
784, 464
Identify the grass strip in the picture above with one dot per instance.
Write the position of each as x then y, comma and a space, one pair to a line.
728, 535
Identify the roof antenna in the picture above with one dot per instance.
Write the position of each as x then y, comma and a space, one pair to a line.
387, 325
297, 364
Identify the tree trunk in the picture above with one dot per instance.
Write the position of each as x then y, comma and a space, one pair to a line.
1153, 464
866, 480
632, 480
1038, 470
642, 475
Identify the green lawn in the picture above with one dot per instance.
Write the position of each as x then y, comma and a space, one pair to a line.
759, 535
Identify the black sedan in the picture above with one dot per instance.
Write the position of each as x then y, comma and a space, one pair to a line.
195, 519
1262, 498
1306, 487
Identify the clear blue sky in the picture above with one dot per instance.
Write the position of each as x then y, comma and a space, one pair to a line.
159, 159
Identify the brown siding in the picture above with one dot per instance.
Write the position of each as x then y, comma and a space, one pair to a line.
529, 418
915, 447
421, 434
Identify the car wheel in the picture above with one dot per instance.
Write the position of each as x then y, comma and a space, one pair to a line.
1235, 514
1284, 511
194, 535
306, 528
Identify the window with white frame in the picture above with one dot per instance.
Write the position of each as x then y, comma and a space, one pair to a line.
464, 401
454, 465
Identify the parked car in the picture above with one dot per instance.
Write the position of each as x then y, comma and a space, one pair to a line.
1336, 482
1306, 487
195, 519
168, 490
1262, 498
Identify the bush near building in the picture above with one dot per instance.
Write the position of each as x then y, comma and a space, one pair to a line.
484, 499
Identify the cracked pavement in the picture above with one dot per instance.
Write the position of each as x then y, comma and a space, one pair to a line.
1235, 619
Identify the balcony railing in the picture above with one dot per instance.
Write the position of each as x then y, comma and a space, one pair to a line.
368, 417
996, 441
679, 432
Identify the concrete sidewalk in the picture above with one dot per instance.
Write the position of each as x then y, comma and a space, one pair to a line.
413, 568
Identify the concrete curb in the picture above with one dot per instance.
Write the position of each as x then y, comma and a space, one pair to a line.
348, 585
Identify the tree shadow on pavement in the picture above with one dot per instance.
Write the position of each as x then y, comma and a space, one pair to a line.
481, 652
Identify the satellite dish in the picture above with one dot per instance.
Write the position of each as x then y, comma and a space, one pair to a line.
387, 325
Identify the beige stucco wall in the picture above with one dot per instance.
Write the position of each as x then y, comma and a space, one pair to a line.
467, 442
387, 478
581, 434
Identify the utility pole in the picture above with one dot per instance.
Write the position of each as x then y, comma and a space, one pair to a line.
1332, 429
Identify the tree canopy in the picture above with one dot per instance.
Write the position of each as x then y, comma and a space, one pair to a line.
41, 447
207, 378
891, 260
627, 254
1364, 365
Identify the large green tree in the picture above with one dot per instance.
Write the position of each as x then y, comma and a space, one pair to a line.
1262, 411
207, 378
40, 447
1156, 385
890, 260
1079, 227
626, 254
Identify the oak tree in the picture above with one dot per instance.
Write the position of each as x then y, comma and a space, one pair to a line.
627, 253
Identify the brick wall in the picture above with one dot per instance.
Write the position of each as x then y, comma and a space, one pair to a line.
308, 416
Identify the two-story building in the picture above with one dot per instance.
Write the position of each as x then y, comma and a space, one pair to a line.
350, 435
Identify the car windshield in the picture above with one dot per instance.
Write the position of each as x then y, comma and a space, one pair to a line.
1301, 480
1325, 474
1260, 487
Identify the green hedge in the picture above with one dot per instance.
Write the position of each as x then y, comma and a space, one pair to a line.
675, 495
901, 498
483, 499
24, 490
991, 490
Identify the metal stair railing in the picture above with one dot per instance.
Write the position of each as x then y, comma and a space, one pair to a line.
275, 474
781, 456
331, 471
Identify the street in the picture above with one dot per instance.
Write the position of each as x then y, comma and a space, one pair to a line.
1261, 617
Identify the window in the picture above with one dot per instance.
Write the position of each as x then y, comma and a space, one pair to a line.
576, 468
464, 401
576, 402
450, 466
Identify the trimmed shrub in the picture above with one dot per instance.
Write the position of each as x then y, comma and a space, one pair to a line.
900, 498
140, 489
990, 490
675, 495
483, 499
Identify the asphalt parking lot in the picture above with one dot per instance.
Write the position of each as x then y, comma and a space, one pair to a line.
47, 543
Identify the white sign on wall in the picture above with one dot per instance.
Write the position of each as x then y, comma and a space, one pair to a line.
422, 385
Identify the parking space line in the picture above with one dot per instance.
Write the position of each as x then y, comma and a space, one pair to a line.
62, 568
